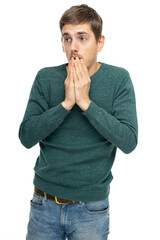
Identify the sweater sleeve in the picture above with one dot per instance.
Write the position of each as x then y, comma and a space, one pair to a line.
39, 120
121, 127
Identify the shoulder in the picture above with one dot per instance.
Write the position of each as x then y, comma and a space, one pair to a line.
118, 76
115, 71
51, 72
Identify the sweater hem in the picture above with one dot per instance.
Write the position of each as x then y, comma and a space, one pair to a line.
76, 194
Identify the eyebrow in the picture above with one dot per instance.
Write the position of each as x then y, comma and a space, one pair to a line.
78, 33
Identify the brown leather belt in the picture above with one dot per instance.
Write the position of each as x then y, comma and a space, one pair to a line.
56, 199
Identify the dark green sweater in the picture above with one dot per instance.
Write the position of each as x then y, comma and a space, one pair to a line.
77, 149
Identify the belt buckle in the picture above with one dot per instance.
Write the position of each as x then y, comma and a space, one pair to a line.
56, 200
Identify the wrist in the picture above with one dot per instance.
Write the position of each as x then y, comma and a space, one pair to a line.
67, 106
85, 105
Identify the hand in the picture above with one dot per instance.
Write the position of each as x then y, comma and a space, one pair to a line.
82, 83
70, 100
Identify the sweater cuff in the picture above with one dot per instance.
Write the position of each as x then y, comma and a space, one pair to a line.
61, 112
91, 111
64, 110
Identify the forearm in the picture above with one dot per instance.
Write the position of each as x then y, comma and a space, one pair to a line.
122, 135
36, 128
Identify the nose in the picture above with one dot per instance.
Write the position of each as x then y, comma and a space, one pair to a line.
74, 46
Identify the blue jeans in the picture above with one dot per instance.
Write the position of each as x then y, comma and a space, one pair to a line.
82, 221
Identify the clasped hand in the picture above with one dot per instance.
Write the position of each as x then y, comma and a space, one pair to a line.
77, 85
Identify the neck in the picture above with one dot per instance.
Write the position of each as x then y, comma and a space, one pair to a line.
94, 68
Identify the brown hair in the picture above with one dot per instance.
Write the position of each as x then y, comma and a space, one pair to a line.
83, 14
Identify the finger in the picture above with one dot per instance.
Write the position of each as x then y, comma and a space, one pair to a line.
78, 69
72, 74
84, 71
69, 70
75, 77
67, 80
83, 66
72, 62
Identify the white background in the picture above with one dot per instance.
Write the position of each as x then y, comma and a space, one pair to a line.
30, 40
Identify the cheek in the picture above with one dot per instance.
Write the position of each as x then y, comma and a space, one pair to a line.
90, 52
67, 52
89, 57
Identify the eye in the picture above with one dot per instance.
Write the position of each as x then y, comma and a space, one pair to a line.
83, 38
67, 39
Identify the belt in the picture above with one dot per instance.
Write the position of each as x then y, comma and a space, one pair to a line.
56, 199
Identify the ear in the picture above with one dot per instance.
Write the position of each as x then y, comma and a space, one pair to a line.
100, 43
62, 45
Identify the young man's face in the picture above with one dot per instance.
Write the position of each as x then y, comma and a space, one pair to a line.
79, 40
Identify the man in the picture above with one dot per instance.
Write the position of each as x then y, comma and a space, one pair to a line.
79, 113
